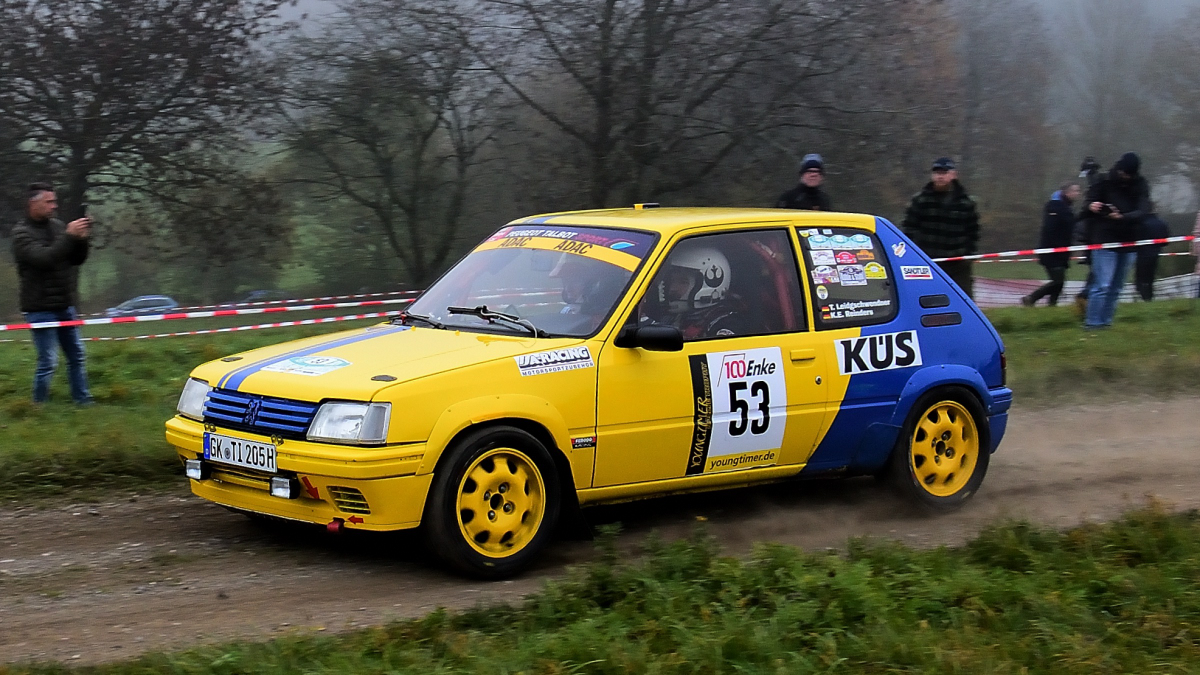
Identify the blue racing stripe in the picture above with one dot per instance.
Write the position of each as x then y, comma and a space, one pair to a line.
235, 378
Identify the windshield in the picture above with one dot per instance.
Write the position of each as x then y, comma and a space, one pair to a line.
563, 279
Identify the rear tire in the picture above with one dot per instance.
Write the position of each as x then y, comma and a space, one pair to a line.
494, 502
943, 451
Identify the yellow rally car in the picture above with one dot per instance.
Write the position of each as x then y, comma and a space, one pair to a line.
588, 357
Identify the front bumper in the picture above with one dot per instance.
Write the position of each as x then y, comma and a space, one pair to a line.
365, 488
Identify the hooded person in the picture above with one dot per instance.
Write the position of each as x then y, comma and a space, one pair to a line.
1117, 205
1058, 224
808, 195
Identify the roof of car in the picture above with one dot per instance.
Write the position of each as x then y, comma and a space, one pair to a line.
671, 220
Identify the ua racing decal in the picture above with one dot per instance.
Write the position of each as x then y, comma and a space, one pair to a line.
554, 361
878, 352
740, 406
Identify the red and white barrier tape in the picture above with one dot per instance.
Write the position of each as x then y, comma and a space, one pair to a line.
203, 315
272, 303
1067, 249
1074, 257
235, 329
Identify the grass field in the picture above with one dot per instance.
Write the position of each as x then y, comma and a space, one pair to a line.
1122, 597
1152, 350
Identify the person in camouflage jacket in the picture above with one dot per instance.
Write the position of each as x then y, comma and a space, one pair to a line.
943, 221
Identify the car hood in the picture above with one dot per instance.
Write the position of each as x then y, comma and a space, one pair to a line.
354, 365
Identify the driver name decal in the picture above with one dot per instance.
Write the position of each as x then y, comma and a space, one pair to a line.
739, 410
554, 361
878, 352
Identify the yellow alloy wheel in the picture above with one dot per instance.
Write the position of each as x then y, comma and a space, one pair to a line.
501, 502
945, 449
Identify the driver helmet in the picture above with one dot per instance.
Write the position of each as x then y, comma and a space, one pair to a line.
708, 274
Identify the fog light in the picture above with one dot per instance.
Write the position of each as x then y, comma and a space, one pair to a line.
284, 487
195, 469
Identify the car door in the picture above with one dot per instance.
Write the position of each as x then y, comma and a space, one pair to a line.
748, 388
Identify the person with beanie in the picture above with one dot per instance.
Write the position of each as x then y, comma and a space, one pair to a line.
808, 195
943, 221
1058, 223
1116, 207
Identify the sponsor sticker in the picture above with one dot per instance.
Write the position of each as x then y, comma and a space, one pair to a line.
822, 257
899, 248
865, 256
311, 366
554, 361
852, 275
875, 271
822, 292
862, 241
818, 241
739, 409
877, 353
916, 272
841, 241
826, 275
846, 258
583, 442
855, 309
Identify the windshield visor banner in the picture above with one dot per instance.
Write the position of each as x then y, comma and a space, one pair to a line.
622, 248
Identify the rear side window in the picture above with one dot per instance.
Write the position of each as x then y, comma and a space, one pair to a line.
849, 276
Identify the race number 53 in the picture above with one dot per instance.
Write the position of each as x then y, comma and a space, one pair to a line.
741, 405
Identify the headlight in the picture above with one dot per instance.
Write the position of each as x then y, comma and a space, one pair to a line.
191, 401
352, 422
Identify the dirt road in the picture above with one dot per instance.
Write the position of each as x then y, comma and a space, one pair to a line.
87, 583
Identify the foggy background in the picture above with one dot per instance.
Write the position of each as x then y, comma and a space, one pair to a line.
334, 147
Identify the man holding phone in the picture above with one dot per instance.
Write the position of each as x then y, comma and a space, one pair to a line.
1116, 205
49, 254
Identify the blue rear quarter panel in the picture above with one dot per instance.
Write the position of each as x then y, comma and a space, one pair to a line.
877, 404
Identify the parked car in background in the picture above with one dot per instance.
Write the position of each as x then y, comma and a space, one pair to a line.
143, 304
264, 296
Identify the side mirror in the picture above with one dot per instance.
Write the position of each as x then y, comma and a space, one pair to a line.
651, 338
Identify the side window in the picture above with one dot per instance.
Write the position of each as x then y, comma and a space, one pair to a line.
727, 285
850, 276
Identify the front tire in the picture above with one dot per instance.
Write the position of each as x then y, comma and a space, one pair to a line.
943, 451
493, 503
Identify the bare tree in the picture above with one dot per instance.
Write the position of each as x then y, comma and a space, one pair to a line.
387, 113
108, 94
655, 95
1105, 68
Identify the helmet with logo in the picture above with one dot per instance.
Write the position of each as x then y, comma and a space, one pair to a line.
707, 270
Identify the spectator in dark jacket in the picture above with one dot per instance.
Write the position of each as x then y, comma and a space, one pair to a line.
1117, 205
48, 255
1058, 225
1146, 265
808, 195
943, 221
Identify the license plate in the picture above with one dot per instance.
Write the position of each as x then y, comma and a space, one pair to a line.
239, 452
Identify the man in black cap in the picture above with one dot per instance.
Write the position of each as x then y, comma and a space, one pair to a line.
943, 221
808, 195
1116, 206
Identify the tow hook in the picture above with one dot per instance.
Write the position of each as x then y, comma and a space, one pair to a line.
335, 526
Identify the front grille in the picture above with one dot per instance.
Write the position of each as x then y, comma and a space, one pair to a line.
243, 477
259, 414
349, 500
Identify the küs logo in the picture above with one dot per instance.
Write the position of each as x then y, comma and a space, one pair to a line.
878, 352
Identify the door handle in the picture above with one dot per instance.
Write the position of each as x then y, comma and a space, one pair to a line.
804, 355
